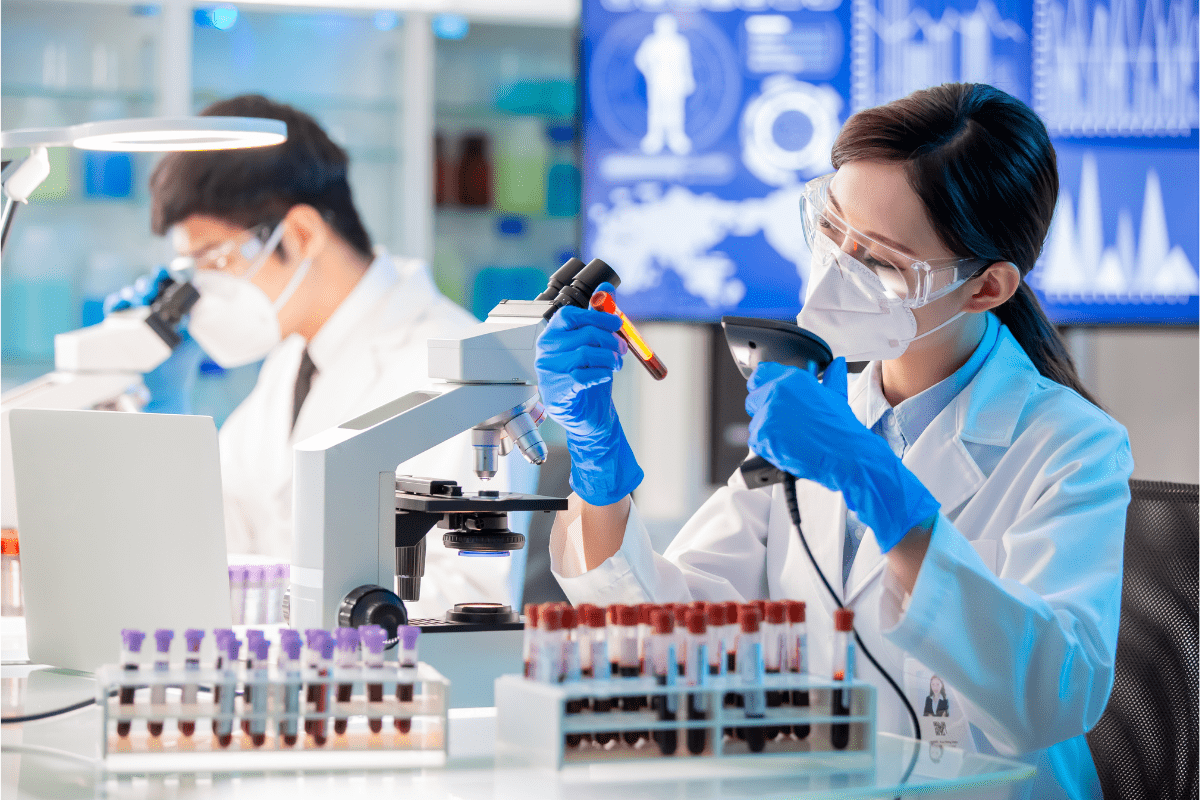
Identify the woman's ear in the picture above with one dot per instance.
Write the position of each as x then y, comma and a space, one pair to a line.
998, 282
306, 233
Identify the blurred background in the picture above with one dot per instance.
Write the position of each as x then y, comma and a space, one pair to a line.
528, 120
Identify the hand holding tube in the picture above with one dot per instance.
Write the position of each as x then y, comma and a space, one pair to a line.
577, 354
806, 428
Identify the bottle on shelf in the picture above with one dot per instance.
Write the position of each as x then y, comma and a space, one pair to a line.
521, 156
562, 181
475, 171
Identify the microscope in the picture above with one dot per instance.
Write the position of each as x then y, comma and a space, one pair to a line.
359, 542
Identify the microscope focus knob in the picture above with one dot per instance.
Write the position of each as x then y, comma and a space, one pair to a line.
373, 605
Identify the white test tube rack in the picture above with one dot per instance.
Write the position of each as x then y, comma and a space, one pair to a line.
358, 748
533, 723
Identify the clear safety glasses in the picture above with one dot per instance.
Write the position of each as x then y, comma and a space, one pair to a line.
237, 256
905, 279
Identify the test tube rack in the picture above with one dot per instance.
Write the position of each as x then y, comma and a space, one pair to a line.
129, 713
533, 722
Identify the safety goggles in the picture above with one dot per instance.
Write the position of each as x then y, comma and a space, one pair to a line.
910, 281
237, 255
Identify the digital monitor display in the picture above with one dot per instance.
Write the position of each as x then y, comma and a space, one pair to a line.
703, 120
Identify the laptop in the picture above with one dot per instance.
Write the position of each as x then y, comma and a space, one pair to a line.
121, 526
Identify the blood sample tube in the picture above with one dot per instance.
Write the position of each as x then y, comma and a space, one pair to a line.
601, 667
662, 662
572, 670
260, 673
680, 614
529, 641
222, 637
408, 660
253, 637
324, 688
797, 657
550, 644
751, 671
603, 301
228, 683
629, 666
162, 665
644, 610
697, 674
131, 656
347, 662
193, 637
312, 660
373, 640
773, 630
843, 670
714, 618
290, 665
613, 614
729, 639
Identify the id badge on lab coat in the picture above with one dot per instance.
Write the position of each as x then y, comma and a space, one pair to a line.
939, 709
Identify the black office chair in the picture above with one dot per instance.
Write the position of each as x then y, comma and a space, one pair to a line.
1145, 745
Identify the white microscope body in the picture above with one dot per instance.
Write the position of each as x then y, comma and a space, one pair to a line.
345, 483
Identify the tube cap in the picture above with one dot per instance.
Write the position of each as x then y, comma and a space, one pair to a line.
373, 638
775, 613
232, 646
132, 639
614, 613
260, 648
697, 621
312, 638
531, 615
731, 612
662, 621
327, 645
644, 612
253, 637
595, 617
347, 638
700, 604
843, 620
289, 640
162, 639
582, 610
680, 612
256, 573
627, 616
795, 610
409, 635
749, 618
193, 637
570, 618
714, 615
222, 635
550, 619
10, 545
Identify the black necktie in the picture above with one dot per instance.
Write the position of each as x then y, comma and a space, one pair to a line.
303, 383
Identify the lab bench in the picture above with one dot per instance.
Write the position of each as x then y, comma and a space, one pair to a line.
56, 757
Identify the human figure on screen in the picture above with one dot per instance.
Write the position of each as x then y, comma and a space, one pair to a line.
665, 60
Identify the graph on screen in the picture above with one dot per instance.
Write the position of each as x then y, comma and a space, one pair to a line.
1122, 68
901, 46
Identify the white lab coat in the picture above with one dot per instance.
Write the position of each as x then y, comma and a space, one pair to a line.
370, 351
1017, 603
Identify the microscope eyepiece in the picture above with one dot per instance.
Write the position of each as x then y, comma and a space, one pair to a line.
579, 292
561, 277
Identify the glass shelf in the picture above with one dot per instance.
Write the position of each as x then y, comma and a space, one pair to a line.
77, 93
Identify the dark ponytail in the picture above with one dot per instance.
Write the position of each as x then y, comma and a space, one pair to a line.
982, 163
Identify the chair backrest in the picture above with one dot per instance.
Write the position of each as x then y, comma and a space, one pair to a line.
1145, 745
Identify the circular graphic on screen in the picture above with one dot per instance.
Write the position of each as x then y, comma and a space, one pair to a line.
664, 83
788, 130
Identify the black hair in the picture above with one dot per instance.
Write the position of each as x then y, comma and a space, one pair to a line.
982, 163
257, 186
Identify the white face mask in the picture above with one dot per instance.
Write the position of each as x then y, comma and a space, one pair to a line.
234, 321
847, 305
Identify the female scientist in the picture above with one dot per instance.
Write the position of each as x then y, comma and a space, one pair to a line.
966, 497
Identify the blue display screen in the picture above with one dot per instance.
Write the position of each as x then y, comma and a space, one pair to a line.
703, 119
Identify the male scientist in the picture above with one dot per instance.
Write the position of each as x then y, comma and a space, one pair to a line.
288, 274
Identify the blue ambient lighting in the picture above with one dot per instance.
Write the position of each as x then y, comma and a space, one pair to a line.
450, 26
484, 553
386, 20
222, 18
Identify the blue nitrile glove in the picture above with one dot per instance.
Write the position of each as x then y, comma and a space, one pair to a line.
807, 429
577, 354
170, 383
